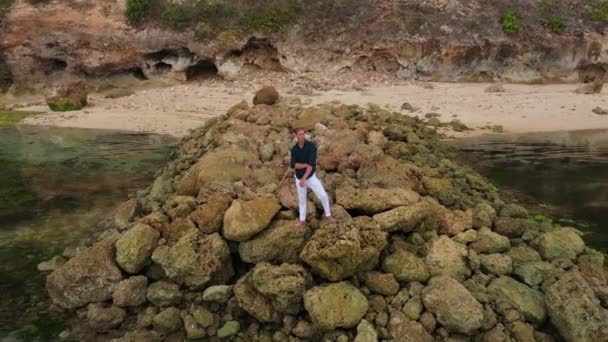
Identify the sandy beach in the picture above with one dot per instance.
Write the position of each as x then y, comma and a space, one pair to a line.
176, 109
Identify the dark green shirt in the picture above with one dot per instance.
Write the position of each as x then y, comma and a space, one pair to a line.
307, 154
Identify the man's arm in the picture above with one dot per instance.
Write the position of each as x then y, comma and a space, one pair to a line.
294, 165
308, 171
299, 166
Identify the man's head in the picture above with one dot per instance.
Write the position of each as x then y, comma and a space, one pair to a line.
300, 135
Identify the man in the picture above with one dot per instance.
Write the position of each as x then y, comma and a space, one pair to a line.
304, 161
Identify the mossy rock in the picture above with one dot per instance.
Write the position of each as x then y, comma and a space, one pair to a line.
65, 104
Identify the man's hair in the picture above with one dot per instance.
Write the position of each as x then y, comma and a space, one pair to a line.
297, 129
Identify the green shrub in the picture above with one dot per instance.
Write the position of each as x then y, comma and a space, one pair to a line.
600, 10
510, 22
555, 24
175, 14
136, 9
215, 10
273, 16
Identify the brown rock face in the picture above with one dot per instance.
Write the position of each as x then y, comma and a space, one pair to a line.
88, 277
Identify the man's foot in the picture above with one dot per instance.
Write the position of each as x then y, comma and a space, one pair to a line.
300, 224
329, 219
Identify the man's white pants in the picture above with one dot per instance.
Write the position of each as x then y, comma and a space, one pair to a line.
315, 185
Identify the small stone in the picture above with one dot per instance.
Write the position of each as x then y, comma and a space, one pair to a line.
203, 316
407, 106
304, 329
163, 293
497, 264
193, 330
230, 328
218, 293
365, 332
168, 320
382, 283
428, 321
413, 308
381, 319
131, 292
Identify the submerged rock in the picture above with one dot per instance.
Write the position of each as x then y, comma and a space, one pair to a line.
90, 276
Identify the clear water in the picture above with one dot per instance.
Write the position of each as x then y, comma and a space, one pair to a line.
566, 172
56, 185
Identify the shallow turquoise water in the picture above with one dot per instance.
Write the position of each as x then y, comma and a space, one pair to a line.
56, 185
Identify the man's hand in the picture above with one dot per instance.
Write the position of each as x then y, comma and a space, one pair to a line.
302, 183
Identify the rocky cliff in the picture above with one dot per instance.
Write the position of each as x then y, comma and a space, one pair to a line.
423, 249
522, 41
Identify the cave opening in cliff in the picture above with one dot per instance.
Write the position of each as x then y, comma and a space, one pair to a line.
591, 73
162, 68
138, 74
51, 65
259, 53
202, 70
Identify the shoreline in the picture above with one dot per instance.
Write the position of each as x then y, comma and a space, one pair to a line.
176, 109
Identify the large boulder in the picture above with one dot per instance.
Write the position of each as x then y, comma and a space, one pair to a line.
338, 251
447, 257
209, 217
490, 242
404, 218
90, 276
483, 215
405, 266
67, 97
534, 272
575, 311
401, 328
388, 173
453, 305
335, 305
196, 260
382, 283
374, 200
497, 264
217, 170
513, 227
522, 254
455, 221
440, 188
267, 95
509, 294
245, 219
268, 291
560, 243
279, 243
135, 246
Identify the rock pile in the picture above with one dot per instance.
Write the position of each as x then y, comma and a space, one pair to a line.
423, 249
